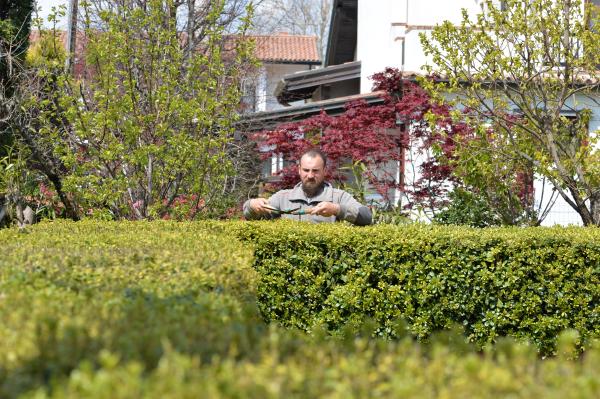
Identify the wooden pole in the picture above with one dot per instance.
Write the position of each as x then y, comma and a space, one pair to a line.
71, 36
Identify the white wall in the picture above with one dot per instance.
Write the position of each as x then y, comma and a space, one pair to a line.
383, 26
267, 79
271, 75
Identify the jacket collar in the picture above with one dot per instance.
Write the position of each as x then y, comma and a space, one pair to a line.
325, 194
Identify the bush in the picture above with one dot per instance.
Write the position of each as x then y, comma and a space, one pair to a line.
528, 283
294, 366
164, 309
71, 290
467, 208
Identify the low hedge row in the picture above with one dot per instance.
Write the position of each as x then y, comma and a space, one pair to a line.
69, 291
528, 283
165, 309
292, 365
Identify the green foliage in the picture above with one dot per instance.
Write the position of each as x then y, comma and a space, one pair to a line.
331, 369
465, 207
15, 18
15, 179
358, 184
144, 128
157, 118
37, 120
20, 186
390, 215
518, 67
494, 180
47, 51
165, 309
70, 291
526, 283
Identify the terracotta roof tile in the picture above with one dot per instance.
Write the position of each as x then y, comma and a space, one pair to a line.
287, 48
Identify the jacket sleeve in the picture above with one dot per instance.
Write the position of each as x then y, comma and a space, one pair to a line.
274, 201
353, 211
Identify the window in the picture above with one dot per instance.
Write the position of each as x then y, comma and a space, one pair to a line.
248, 100
271, 166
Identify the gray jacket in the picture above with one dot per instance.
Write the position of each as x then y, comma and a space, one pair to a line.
350, 209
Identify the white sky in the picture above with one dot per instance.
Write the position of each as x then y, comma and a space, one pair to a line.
46, 6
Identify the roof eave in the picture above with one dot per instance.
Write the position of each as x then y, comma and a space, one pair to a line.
301, 85
262, 120
292, 62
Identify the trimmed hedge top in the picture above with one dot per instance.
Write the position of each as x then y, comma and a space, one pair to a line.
69, 291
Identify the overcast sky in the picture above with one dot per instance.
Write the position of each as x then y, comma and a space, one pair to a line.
46, 5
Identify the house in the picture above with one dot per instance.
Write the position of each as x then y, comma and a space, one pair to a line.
280, 54
364, 38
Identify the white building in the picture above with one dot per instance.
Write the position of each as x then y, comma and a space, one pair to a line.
280, 54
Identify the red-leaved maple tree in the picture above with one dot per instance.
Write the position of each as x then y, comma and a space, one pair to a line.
373, 137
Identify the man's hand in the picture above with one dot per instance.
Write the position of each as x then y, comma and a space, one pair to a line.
257, 205
325, 209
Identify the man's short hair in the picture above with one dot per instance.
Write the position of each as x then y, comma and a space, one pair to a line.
315, 152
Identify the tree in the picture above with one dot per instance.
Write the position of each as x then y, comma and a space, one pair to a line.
150, 125
37, 113
518, 67
19, 165
365, 140
357, 140
15, 19
147, 130
309, 17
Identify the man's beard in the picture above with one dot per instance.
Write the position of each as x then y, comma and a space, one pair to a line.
311, 188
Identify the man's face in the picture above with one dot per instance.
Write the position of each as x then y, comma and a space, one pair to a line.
312, 173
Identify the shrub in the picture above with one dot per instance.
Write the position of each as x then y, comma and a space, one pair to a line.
71, 290
293, 366
165, 309
528, 283
467, 208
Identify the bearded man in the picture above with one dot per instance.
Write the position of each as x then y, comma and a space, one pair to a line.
311, 200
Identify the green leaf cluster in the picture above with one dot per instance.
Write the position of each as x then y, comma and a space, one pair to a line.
70, 291
527, 283
522, 67
151, 119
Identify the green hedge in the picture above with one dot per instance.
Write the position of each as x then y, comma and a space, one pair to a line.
528, 283
71, 290
292, 365
165, 309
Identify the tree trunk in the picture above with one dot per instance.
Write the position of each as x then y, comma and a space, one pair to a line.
595, 209
70, 206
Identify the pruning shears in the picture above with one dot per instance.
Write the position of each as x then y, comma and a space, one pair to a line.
291, 211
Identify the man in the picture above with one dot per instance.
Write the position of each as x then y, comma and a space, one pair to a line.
312, 200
